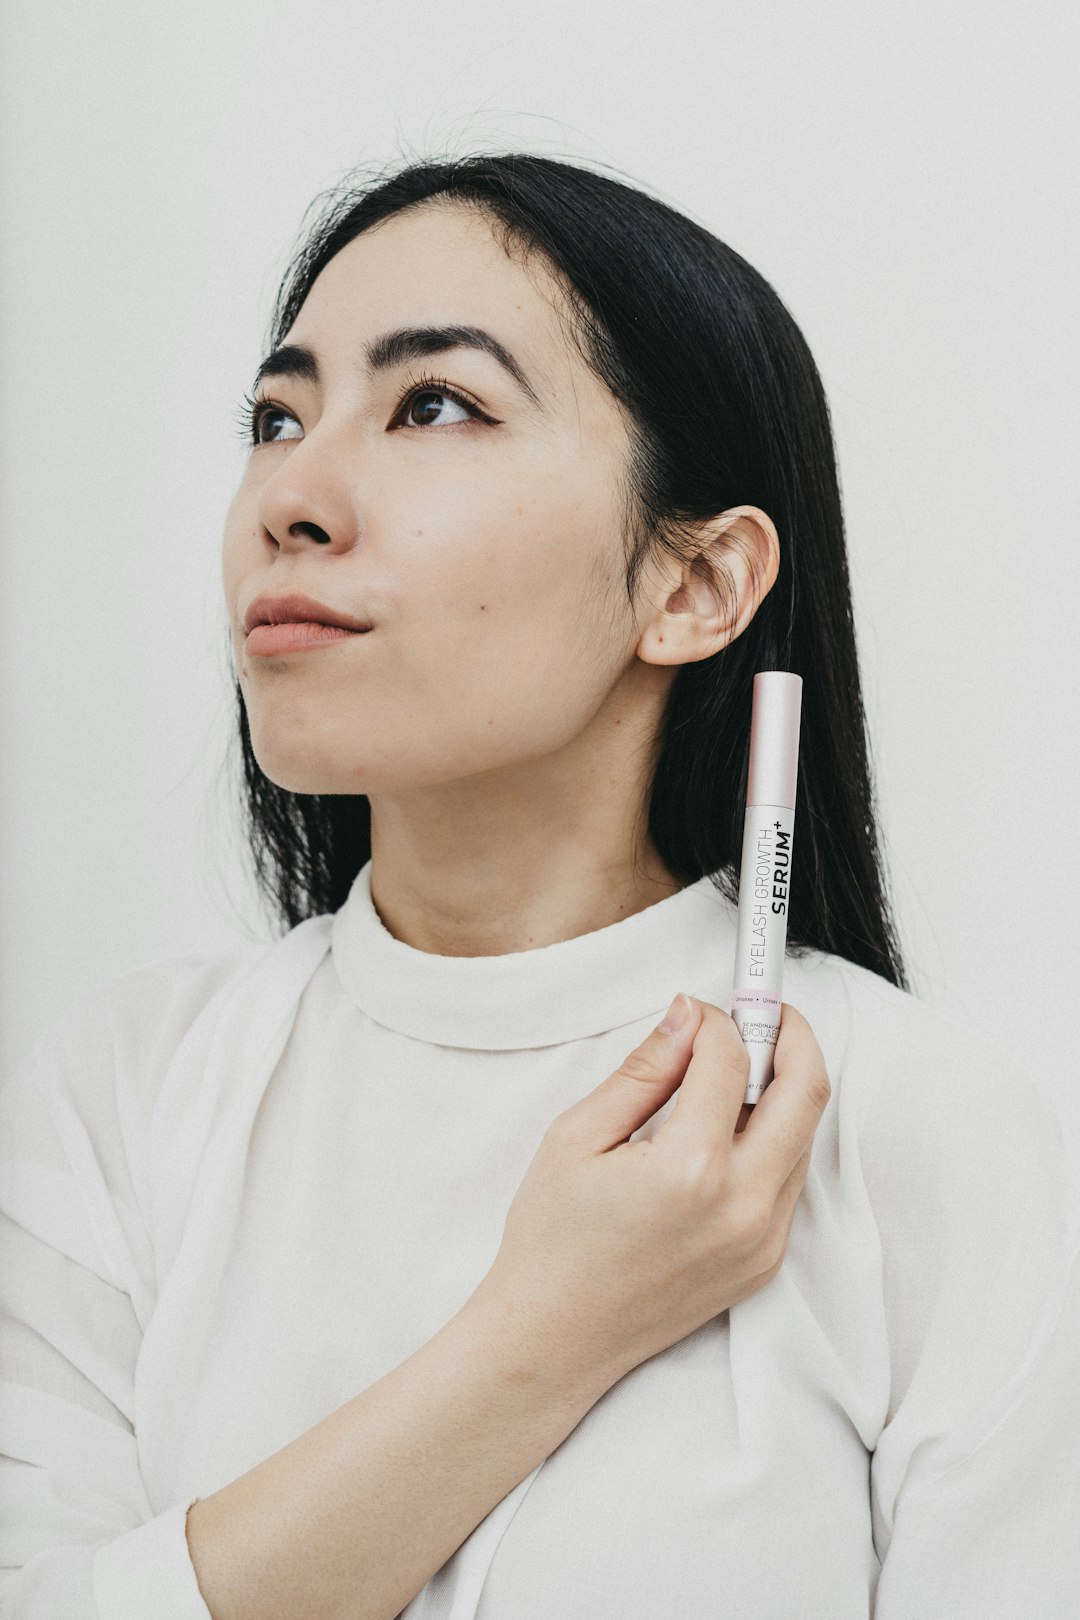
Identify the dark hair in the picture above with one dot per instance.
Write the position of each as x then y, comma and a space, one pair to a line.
725, 408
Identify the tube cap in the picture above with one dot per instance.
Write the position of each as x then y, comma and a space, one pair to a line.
774, 738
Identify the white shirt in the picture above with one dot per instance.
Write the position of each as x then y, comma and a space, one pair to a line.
237, 1190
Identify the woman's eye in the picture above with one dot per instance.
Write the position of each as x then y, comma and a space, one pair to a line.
425, 397
263, 414
425, 405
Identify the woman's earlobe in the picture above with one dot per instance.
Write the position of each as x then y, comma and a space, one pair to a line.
691, 622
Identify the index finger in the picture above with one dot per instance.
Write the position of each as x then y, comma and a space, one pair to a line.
710, 1095
791, 1106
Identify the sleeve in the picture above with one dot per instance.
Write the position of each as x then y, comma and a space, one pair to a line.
78, 1536
975, 1478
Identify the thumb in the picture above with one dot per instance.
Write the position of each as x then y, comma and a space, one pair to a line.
642, 1083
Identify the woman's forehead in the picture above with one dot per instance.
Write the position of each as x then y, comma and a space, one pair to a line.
440, 266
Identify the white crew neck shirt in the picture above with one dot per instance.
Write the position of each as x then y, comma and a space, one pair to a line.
237, 1190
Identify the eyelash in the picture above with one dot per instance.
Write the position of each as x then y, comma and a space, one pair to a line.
253, 408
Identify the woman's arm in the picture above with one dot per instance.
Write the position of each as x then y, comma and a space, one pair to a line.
975, 1475
350, 1520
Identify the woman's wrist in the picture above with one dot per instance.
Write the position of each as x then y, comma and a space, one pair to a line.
559, 1372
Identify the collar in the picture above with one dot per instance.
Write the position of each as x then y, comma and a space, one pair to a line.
619, 974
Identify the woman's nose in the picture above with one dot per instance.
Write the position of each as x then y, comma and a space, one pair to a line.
303, 527
308, 501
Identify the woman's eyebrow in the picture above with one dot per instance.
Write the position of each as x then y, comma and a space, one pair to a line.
395, 348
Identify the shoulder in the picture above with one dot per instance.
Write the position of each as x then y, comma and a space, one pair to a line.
75, 1114
112, 1110
888, 1042
120, 1036
935, 1110
125, 1032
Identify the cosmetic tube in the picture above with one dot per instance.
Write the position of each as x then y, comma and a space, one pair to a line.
765, 875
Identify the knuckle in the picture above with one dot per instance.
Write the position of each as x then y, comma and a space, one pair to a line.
774, 1248
563, 1131
700, 1176
740, 1058
749, 1222
637, 1066
820, 1088
721, 1027
767, 1276
761, 1279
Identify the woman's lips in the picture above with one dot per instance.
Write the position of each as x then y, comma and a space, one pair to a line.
265, 640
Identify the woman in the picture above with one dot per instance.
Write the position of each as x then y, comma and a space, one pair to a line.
341, 1280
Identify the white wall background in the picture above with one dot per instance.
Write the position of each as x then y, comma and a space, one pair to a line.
905, 175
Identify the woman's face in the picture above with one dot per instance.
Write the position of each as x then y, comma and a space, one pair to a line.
483, 546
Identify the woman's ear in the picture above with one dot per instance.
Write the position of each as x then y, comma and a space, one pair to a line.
702, 605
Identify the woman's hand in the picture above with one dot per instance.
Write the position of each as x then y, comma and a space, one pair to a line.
613, 1250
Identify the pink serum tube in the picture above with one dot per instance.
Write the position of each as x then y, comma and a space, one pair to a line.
765, 874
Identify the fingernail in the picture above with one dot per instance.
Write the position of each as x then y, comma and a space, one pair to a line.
676, 1015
